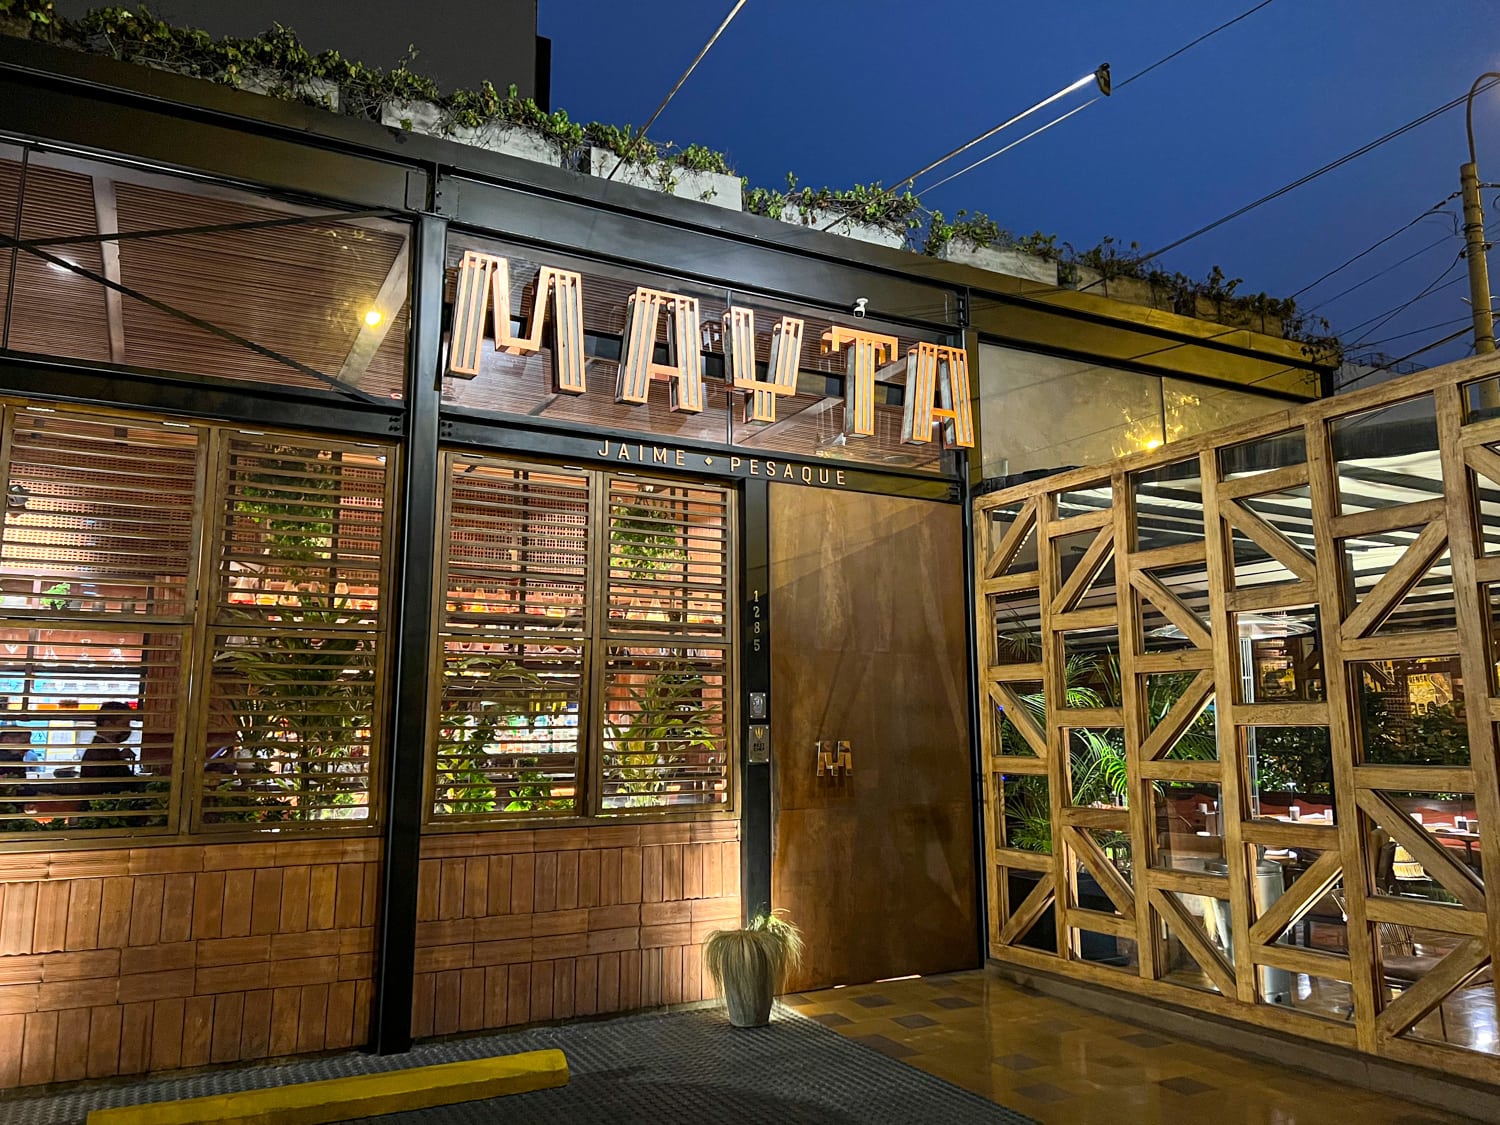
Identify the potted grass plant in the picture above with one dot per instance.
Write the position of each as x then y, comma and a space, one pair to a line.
748, 966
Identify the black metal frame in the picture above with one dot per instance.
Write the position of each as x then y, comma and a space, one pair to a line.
65, 101
406, 744
757, 814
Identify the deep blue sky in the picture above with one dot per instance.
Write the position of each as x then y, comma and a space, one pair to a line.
857, 90
842, 91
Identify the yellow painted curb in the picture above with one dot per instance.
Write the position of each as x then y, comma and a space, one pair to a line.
364, 1095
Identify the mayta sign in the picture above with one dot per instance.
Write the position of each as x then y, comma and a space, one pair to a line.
937, 376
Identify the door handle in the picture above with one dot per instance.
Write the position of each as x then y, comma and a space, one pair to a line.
834, 756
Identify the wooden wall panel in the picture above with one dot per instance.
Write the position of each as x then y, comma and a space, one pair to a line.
518, 927
132, 960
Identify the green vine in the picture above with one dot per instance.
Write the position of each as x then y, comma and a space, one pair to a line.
277, 63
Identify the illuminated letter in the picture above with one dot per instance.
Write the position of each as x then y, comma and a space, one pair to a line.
484, 280
684, 364
937, 386
867, 352
739, 351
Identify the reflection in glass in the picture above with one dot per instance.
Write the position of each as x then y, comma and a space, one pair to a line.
1291, 773
1189, 826
1451, 821
1168, 505
1276, 451
1428, 606
1280, 656
1411, 712
1387, 456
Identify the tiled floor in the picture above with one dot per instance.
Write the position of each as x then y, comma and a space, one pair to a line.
1066, 1065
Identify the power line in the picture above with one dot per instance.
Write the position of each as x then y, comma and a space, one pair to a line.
672, 93
1394, 265
1194, 43
1409, 355
1311, 176
1013, 144
1417, 331
1435, 208
1379, 320
1077, 109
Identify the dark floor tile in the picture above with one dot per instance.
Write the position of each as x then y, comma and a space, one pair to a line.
1019, 1062
796, 1000
916, 1019
832, 1019
875, 1001
886, 1046
1144, 1039
1120, 1061
1054, 1027
955, 1002
1185, 1085
1044, 1092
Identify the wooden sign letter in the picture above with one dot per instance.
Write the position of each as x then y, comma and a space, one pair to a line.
867, 352
684, 366
484, 285
739, 348
937, 387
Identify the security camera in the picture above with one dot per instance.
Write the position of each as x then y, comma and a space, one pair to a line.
859, 307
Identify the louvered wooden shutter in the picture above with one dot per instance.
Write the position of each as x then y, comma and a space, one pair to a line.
97, 555
513, 640
665, 728
294, 641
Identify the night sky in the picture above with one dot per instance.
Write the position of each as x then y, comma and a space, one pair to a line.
841, 91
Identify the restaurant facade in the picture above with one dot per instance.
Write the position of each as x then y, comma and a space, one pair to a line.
438, 589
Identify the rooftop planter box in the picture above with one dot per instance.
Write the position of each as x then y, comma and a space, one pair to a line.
820, 218
666, 175
493, 136
996, 259
314, 91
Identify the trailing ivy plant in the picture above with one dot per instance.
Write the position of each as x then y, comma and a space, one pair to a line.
969, 231
277, 62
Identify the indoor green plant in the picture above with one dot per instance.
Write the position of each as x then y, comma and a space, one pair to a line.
748, 965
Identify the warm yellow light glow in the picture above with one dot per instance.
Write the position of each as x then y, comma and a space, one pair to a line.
1154, 443
373, 317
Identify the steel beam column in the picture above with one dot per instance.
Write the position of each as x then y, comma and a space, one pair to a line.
411, 641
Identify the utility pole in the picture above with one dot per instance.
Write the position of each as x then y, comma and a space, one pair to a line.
1475, 246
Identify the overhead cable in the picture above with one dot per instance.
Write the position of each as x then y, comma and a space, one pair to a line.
1313, 175
1394, 265
672, 93
1077, 109
1346, 263
1409, 355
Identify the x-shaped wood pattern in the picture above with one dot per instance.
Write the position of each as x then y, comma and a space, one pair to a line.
1010, 543
1020, 718
1397, 582
1031, 909
1435, 859
1105, 873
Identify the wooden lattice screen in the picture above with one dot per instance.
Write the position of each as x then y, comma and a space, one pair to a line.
584, 648
1240, 698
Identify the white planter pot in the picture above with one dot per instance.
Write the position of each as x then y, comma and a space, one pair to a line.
819, 219
705, 187
315, 91
1012, 263
426, 118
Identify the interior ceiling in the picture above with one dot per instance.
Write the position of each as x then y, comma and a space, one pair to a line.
299, 291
